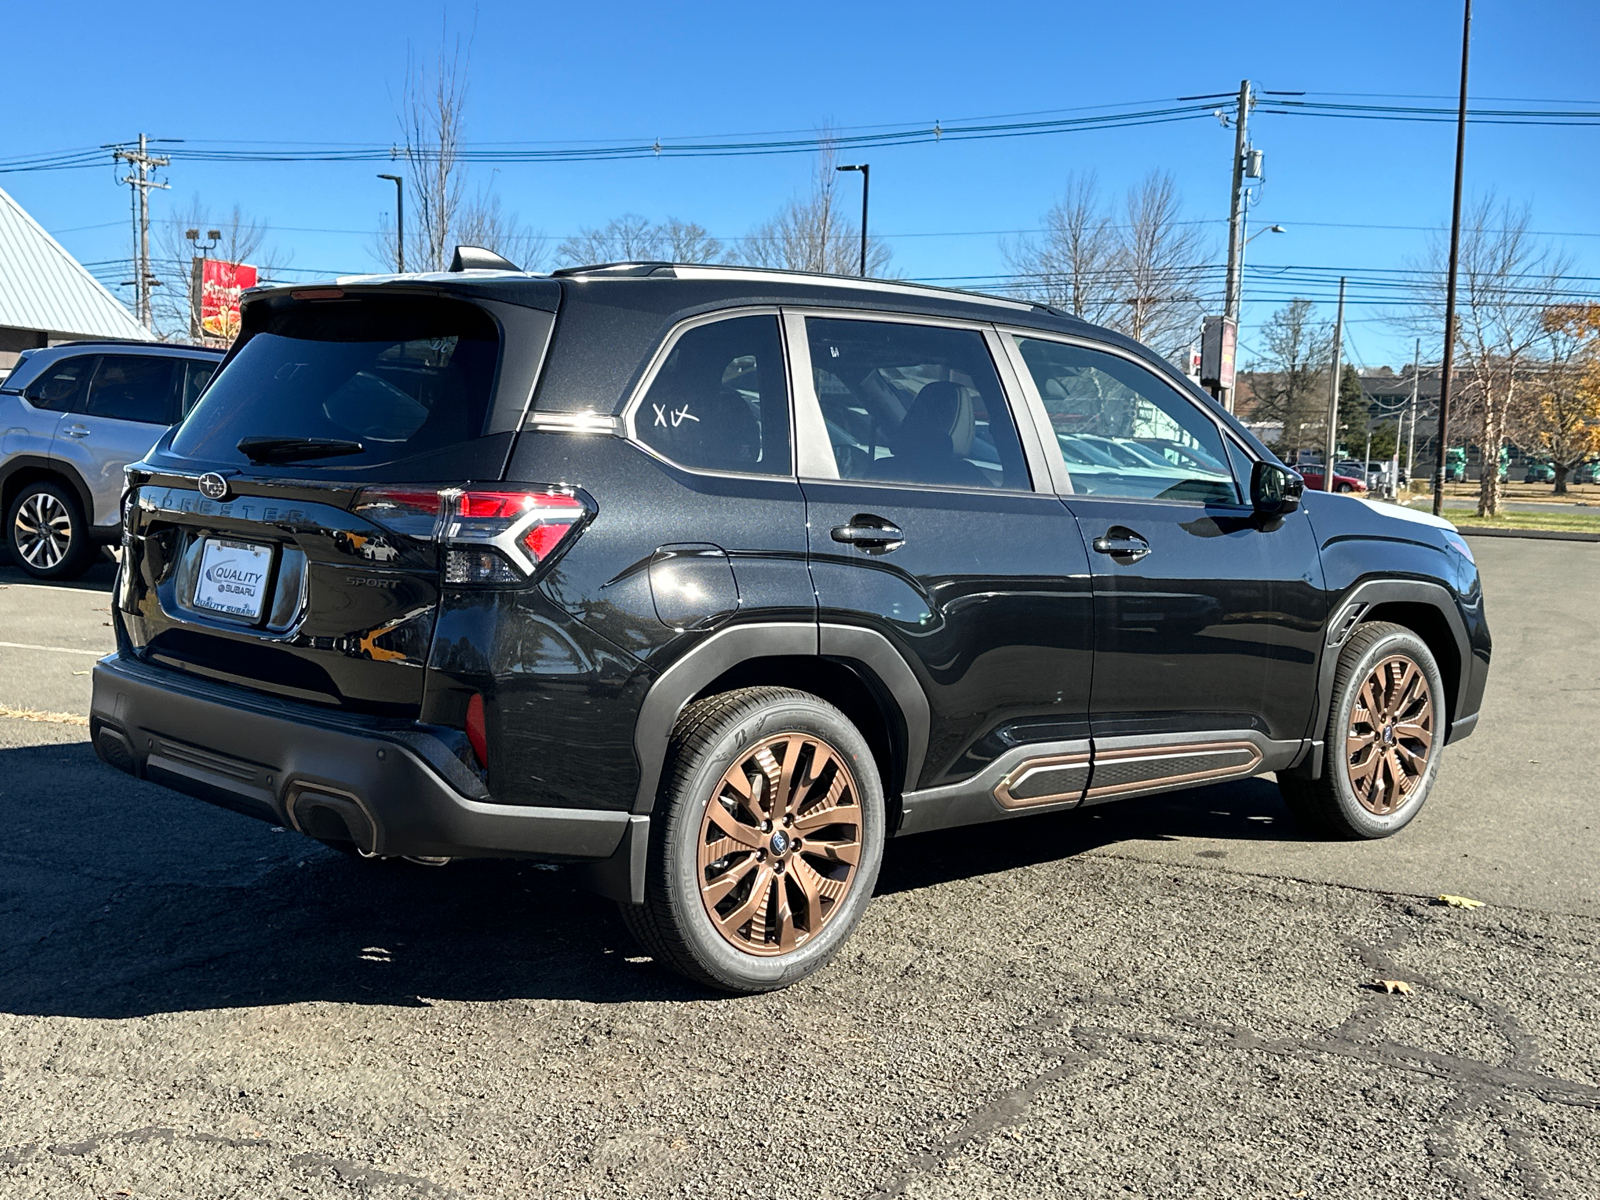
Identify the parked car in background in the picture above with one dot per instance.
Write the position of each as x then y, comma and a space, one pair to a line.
1341, 483
1539, 472
71, 417
706, 581
1588, 472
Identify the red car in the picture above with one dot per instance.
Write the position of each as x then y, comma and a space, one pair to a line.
1341, 483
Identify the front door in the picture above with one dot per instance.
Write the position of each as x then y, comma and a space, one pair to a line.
925, 526
1206, 617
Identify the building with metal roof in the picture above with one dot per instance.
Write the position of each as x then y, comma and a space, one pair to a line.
46, 295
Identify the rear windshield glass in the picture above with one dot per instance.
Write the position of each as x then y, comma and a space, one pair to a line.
401, 377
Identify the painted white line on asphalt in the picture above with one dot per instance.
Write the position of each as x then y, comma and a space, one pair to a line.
52, 649
55, 587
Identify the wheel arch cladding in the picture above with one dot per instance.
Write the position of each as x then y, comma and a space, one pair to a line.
22, 471
844, 684
866, 677
1428, 623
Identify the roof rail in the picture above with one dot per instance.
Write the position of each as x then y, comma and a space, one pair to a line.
734, 271
615, 270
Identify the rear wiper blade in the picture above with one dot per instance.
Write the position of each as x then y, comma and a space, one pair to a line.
290, 449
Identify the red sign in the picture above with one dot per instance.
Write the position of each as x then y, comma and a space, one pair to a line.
218, 285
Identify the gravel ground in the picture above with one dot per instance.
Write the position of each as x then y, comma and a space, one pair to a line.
1121, 1003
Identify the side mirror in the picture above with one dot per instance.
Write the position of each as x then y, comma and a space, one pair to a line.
1275, 490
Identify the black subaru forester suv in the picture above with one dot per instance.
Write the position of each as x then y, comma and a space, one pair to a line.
712, 579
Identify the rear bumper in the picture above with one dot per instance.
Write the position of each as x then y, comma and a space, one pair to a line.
384, 785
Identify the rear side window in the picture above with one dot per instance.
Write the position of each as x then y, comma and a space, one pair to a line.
61, 387
914, 404
720, 401
135, 387
402, 377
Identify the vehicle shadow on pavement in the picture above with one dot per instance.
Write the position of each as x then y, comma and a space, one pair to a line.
98, 578
1245, 810
121, 899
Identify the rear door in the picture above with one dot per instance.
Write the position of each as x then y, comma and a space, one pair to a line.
926, 526
129, 401
58, 391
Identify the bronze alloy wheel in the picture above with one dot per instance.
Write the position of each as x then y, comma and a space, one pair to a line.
779, 844
1390, 735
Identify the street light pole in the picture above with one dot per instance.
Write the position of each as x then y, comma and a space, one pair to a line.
1455, 261
399, 220
866, 184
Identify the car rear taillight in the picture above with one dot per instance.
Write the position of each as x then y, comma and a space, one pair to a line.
485, 535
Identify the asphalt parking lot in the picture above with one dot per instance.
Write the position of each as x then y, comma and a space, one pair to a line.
1172, 997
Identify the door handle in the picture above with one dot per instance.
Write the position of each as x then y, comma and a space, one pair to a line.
1122, 544
76, 431
869, 533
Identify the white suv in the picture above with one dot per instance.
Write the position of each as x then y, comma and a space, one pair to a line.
71, 417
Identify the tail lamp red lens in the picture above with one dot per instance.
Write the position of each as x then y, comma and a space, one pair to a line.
486, 535
477, 729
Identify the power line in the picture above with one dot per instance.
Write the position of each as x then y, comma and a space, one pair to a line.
720, 146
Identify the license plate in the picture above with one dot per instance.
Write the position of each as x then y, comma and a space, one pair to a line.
233, 577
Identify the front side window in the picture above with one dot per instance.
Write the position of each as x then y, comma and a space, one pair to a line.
61, 387
1125, 432
134, 387
720, 401
914, 404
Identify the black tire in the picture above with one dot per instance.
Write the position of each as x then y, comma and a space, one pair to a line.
1334, 803
47, 533
714, 737
1342, 487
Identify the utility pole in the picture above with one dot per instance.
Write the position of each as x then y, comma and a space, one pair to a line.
1416, 385
1455, 261
1333, 393
1236, 205
142, 163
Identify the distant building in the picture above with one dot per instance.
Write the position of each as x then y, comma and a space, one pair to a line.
46, 295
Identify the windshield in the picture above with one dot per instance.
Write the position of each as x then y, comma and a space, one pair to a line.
401, 377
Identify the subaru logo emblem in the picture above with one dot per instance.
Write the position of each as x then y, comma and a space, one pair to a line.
213, 486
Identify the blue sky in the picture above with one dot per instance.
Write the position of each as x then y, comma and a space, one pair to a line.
84, 74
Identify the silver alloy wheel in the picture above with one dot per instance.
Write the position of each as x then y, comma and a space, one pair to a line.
42, 530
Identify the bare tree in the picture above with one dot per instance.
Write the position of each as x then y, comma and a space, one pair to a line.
1158, 267
813, 232
1290, 379
432, 123
632, 238
1507, 280
688, 242
1072, 264
440, 213
1140, 276
482, 221
243, 240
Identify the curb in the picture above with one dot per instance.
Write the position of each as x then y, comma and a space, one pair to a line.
1548, 535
